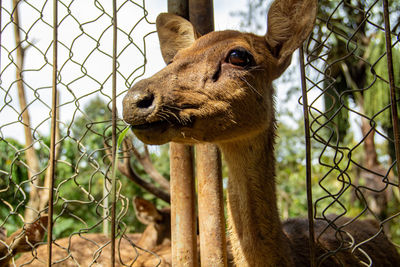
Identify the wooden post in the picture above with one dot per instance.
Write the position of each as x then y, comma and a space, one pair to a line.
211, 211
210, 205
208, 169
201, 15
183, 215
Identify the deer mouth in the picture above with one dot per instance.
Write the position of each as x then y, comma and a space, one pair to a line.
157, 125
161, 125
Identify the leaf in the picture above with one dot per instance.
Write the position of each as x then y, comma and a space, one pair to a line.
122, 136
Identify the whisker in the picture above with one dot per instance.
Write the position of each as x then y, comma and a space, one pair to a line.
162, 116
172, 107
251, 86
174, 115
169, 113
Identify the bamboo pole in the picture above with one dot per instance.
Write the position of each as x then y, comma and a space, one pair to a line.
210, 206
208, 169
183, 215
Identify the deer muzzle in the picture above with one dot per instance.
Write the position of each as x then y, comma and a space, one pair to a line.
138, 104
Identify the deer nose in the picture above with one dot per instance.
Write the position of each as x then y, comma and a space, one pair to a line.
143, 100
137, 105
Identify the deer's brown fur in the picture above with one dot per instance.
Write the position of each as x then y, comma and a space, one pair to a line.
158, 230
205, 95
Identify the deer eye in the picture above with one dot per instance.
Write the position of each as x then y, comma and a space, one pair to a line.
240, 57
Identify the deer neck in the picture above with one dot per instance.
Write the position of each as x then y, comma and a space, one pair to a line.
255, 228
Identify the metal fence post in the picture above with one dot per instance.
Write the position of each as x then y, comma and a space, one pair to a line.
308, 158
52, 159
210, 206
208, 167
114, 132
393, 101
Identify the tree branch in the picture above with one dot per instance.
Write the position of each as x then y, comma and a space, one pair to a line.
44, 194
126, 169
145, 161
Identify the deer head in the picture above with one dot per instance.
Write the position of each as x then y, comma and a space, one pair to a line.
22, 240
217, 87
158, 229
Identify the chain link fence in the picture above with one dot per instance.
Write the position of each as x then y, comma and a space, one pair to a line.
352, 70
82, 201
353, 134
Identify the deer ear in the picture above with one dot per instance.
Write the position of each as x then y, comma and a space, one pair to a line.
145, 211
174, 33
290, 22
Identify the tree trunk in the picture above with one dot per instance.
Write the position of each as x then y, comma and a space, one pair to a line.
44, 194
378, 195
32, 160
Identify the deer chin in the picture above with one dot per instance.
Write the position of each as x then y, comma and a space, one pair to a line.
152, 133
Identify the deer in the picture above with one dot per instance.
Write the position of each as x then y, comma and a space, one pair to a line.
158, 230
217, 88
150, 248
22, 240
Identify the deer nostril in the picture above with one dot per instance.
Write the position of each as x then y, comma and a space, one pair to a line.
146, 101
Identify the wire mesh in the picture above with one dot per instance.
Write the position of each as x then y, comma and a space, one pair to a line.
83, 130
351, 123
353, 136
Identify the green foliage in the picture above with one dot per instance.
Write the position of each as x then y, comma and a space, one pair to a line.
337, 116
12, 174
161, 160
291, 175
377, 97
11, 168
